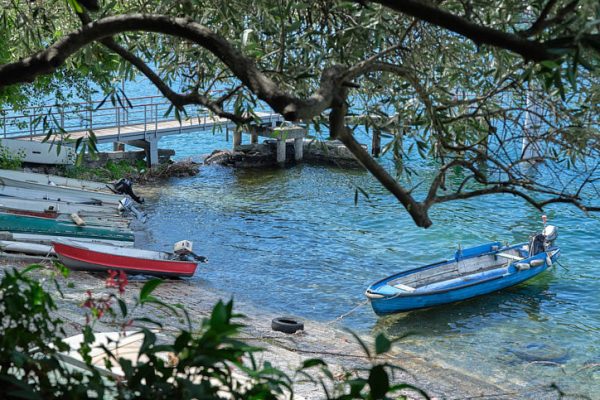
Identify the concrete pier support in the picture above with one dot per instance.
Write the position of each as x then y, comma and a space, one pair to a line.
281, 151
152, 152
299, 148
150, 145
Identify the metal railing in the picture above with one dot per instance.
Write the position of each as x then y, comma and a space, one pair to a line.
142, 112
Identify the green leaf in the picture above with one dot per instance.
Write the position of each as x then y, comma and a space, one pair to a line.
382, 344
313, 362
123, 307
148, 288
32, 267
379, 382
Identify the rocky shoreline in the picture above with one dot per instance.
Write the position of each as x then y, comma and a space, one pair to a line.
334, 345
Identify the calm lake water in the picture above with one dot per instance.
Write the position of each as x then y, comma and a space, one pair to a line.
293, 241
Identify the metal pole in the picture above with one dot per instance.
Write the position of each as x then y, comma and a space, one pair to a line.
118, 123
31, 128
62, 122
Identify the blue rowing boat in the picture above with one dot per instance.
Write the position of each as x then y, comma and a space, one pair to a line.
472, 272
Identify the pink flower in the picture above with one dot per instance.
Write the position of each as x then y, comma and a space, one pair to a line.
122, 281
110, 281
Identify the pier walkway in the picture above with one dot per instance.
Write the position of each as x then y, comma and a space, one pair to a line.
139, 122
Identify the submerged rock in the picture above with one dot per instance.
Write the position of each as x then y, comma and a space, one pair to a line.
541, 352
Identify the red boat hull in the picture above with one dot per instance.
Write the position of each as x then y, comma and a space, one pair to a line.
48, 214
88, 260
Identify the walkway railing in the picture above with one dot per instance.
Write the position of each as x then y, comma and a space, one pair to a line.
147, 111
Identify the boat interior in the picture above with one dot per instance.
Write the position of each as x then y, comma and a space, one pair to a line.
456, 273
120, 251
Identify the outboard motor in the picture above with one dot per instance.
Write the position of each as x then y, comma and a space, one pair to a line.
537, 244
126, 204
124, 186
551, 233
542, 241
183, 252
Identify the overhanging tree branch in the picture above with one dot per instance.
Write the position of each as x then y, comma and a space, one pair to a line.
291, 107
177, 99
425, 11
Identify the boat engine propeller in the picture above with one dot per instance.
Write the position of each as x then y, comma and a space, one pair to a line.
126, 204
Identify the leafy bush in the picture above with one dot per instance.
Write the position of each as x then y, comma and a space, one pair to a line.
210, 363
10, 160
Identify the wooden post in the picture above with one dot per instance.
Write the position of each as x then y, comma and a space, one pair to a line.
298, 148
281, 152
376, 145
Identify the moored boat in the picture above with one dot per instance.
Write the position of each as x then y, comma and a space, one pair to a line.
26, 224
60, 206
48, 239
98, 257
55, 180
29, 190
472, 272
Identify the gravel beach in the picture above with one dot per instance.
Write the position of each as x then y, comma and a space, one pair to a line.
286, 351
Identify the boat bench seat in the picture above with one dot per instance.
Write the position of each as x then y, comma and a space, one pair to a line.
509, 256
404, 287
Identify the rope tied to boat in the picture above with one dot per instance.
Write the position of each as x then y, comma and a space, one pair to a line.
362, 303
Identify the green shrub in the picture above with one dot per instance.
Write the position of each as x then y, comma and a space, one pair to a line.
10, 160
206, 359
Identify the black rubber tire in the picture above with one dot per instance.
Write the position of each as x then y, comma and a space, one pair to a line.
286, 325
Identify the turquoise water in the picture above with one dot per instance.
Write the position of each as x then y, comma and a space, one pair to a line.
293, 241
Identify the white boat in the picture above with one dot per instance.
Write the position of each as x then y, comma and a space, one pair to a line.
34, 249
28, 190
54, 180
61, 207
48, 239
41, 153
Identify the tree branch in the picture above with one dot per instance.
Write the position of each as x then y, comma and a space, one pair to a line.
528, 49
291, 107
338, 128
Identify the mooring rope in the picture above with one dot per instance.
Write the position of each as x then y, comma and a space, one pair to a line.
348, 313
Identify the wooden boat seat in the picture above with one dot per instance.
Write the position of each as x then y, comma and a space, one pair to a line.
510, 256
404, 287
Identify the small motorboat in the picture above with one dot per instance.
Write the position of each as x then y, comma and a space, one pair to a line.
472, 272
99, 257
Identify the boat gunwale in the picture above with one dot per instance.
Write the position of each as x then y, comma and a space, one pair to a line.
542, 255
124, 256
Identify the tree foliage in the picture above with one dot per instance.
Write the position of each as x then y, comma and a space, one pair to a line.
460, 84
